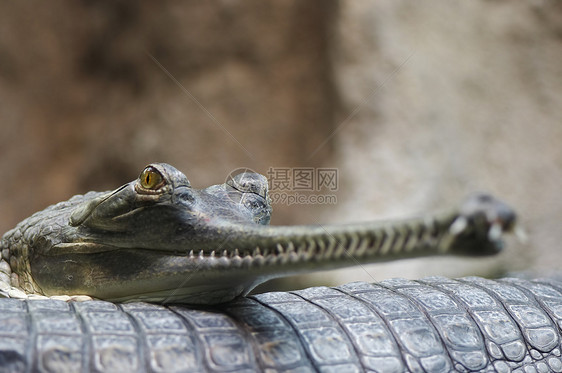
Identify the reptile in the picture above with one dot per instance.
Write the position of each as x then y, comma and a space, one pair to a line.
154, 276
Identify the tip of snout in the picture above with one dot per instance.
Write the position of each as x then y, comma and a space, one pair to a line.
482, 222
496, 213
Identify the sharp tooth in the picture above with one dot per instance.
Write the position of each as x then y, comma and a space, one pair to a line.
340, 249
310, 249
213, 254
390, 234
458, 226
362, 247
280, 249
224, 253
321, 248
257, 251
301, 249
191, 253
330, 248
247, 261
412, 240
401, 237
201, 254
259, 260
495, 232
272, 259
293, 257
236, 259
352, 244
290, 248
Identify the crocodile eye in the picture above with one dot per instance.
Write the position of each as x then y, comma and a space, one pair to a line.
151, 179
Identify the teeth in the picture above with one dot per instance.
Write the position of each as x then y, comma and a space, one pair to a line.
302, 249
495, 232
290, 247
259, 260
458, 226
272, 259
236, 259
389, 238
280, 252
340, 247
362, 247
412, 239
293, 257
352, 245
311, 249
330, 248
339, 251
224, 262
247, 261
400, 240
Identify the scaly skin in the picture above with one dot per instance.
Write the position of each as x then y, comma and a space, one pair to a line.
432, 325
157, 239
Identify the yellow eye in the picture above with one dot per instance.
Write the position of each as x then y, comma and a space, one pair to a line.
150, 178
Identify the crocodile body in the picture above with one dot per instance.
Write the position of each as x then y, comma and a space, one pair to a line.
158, 240
431, 325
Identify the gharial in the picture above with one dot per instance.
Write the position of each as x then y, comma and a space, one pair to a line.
159, 240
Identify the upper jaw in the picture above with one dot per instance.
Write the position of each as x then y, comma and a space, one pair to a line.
172, 223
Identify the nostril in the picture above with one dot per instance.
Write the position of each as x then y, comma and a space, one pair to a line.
258, 207
249, 182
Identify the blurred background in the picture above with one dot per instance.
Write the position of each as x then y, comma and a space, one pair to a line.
414, 105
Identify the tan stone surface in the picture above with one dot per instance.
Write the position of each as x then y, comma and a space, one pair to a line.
453, 97
84, 106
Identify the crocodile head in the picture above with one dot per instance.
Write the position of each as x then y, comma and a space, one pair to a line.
161, 211
158, 239
155, 237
